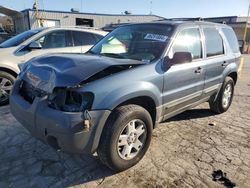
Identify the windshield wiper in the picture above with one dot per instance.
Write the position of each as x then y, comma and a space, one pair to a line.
113, 55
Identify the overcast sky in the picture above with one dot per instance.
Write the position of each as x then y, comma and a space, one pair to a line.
165, 8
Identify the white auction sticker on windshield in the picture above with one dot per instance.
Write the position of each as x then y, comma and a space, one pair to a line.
156, 37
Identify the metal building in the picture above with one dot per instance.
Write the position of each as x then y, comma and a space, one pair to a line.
31, 19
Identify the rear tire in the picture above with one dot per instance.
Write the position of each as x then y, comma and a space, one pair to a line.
126, 137
224, 98
6, 82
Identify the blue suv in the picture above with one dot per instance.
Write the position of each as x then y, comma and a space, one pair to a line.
110, 99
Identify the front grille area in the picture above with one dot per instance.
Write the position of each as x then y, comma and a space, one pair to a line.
29, 92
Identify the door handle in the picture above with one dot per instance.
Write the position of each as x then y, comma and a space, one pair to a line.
224, 64
198, 70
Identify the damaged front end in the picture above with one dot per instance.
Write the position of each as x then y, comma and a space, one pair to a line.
62, 99
61, 119
61, 84
53, 98
68, 100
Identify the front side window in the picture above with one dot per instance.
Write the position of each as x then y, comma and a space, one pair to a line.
83, 38
213, 41
143, 42
56, 39
188, 40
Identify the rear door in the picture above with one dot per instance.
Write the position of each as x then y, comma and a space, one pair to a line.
183, 83
215, 59
83, 41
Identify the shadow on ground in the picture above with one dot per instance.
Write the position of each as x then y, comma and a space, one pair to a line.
192, 114
27, 162
45, 167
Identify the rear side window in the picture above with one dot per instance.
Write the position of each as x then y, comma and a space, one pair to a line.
214, 42
188, 40
232, 39
83, 38
98, 37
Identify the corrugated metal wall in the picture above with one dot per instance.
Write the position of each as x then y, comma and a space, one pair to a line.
69, 19
21, 23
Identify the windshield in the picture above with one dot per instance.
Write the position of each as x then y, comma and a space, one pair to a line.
143, 42
15, 41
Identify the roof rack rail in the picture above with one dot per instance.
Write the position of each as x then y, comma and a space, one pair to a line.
200, 19
186, 19
79, 27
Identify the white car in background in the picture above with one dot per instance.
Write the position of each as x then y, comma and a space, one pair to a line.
21, 48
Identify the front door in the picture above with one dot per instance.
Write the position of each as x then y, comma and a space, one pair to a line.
183, 83
58, 41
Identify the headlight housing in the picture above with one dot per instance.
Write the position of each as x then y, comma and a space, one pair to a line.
70, 101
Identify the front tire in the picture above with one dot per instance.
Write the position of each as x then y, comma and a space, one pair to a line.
126, 137
225, 97
6, 82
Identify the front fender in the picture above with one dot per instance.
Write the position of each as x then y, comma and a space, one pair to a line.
127, 92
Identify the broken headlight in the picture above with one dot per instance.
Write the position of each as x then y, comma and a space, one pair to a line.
70, 101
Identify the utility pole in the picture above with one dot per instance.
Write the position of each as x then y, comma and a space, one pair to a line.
245, 32
150, 11
37, 19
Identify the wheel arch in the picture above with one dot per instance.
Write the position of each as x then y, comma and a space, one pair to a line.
13, 73
144, 101
234, 76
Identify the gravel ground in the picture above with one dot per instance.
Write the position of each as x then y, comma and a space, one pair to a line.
193, 149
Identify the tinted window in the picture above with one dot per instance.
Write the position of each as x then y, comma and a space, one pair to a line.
188, 40
214, 43
83, 38
56, 39
14, 41
98, 37
232, 40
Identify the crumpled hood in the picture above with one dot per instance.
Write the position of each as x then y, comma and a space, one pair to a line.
67, 70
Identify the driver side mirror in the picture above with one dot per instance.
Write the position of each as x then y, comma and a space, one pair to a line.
35, 45
178, 58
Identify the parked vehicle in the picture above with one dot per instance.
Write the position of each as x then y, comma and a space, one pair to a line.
21, 48
112, 98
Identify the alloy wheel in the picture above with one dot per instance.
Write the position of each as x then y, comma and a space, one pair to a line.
227, 95
5, 87
132, 139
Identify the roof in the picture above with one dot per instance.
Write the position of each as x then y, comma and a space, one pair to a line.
183, 23
223, 19
94, 14
75, 28
165, 21
9, 12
